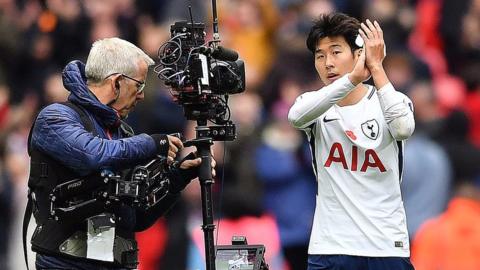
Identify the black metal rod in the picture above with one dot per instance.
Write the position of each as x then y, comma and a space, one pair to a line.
206, 181
216, 35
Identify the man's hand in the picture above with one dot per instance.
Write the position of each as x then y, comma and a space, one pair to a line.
360, 72
372, 35
187, 171
191, 163
174, 145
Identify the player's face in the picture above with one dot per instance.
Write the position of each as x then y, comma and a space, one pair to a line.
333, 58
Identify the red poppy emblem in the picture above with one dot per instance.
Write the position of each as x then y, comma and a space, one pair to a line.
351, 135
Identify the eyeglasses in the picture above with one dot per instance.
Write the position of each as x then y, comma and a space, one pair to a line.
140, 84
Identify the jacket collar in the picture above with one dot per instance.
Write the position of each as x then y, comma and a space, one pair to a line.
75, 81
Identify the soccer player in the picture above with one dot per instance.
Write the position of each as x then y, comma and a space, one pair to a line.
356, 132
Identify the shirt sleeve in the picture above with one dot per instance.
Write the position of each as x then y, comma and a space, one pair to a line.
398, 112
311, 105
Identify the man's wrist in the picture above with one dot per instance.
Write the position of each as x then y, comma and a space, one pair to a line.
161, 141
376, 68
379, 76
354, 79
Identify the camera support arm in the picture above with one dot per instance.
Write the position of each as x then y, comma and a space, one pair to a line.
206, 180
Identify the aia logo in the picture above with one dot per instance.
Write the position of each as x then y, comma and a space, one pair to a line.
371, 129
370, 159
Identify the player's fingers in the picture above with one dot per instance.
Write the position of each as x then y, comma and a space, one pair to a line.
367, 31
362, 34
372, 28
170, 160
379, 29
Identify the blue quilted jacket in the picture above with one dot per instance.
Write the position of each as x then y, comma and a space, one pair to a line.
59, 132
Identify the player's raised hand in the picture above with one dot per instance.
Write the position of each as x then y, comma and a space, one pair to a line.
360, 72
372, 35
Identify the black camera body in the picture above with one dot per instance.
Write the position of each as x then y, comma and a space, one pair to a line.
193, 64
201, 75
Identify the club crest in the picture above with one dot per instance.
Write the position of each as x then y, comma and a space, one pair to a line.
371, 129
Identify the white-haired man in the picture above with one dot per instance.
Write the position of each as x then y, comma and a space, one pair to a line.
84, 136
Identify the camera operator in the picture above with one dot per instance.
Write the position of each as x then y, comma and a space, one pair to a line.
86, 135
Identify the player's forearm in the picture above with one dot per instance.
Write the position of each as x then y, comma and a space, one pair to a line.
379, 76
398, 112
311, 105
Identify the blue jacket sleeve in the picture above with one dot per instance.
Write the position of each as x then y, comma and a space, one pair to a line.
59, 133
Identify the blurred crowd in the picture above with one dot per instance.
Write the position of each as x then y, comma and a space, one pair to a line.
265, 188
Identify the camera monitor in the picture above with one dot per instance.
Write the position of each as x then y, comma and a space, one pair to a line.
239, 257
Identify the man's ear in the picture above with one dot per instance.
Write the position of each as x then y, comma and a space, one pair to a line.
357, 52
116, 83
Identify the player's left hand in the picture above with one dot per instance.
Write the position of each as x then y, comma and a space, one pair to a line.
372, 35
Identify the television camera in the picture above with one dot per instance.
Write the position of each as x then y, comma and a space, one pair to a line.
201, 76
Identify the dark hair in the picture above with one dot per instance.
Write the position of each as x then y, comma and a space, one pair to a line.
333, 25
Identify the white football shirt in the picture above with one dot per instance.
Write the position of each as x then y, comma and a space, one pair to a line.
358, 152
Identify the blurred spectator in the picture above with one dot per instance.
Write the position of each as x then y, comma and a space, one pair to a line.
54, 90
289, 189
4, 106
427, 176
398, 66
17, 167
429, 119
292, 72
426, 180
32, 67
465, 156
460, 28
6, 207
283, 164
425, 40
295, 24
472, 103
397, 19
240, 177
451, 241
249, 27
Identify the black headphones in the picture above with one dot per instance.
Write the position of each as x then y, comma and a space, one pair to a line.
117, 93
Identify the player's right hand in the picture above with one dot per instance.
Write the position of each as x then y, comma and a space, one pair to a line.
360, 72
174, 145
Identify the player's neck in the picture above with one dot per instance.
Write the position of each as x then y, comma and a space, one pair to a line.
355, 96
